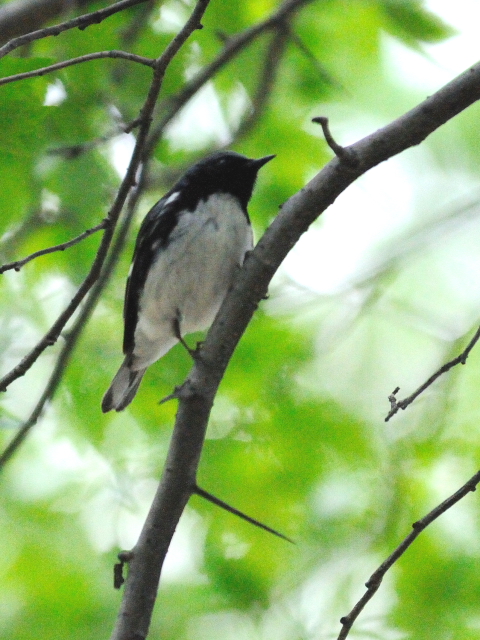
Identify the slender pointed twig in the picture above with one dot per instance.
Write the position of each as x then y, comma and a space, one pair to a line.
18, 264
460, 359
224, 505
377, 576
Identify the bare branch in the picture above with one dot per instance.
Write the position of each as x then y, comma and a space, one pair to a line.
197, 393
376, 578
460, 359
35, 73
81, 22
18, 264
18, 17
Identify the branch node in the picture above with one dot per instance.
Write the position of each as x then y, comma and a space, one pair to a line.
125, 557
394, 405
344, 154
175, 395
374, 582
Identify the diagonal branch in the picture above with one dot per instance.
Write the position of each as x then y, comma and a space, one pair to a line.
376, 578
460, 359
266, 82
18, 17
197, 394
98, 55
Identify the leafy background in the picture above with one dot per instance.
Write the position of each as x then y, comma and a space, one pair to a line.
379, 293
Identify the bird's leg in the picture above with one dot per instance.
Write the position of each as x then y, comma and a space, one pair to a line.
176, 331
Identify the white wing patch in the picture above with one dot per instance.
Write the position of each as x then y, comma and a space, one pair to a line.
172, 198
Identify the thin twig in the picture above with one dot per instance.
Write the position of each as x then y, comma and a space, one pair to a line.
377, 576
224, 505
18, 264
460, 359
98, 55
81, 22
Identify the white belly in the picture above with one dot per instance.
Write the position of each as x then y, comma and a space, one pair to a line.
191, 276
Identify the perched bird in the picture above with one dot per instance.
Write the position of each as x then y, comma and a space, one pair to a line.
188, 251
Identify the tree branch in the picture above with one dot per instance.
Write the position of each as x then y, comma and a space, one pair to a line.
266, 82
81, 22
72, 336
377, 576
460, 359
35, 73
18, 17
197, 393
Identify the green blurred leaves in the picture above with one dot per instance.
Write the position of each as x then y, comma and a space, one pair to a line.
297, 438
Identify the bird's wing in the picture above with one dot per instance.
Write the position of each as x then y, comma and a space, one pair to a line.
152, 237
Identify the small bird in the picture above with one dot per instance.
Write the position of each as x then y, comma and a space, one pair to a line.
188, 251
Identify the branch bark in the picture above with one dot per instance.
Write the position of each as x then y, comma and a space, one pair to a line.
197, 393
21, 16
81, 22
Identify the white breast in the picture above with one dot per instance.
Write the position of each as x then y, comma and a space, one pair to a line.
191, 276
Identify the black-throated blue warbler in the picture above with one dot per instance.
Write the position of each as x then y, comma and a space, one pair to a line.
188, 251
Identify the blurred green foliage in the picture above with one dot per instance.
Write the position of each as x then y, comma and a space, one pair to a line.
297, 437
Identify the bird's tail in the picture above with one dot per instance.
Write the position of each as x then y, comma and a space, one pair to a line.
123, 388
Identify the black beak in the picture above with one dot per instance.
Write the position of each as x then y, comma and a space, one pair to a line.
258, 164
